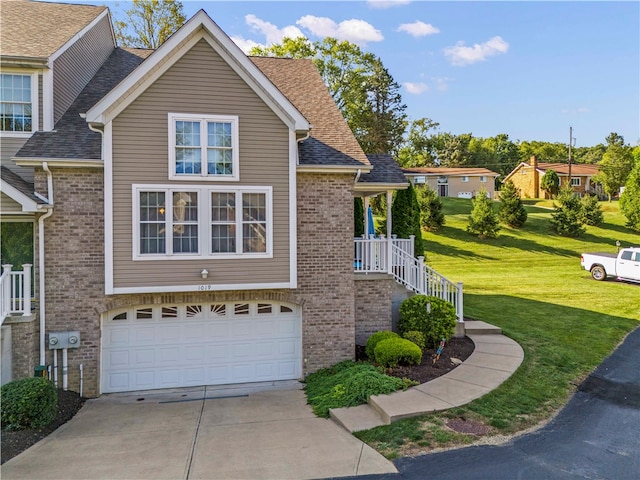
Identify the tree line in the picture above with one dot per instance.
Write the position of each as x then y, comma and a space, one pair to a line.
370, 101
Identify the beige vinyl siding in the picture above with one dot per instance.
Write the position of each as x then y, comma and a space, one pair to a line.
78, 64
40, 104
8, 204
10, 146
473, 186
199, 83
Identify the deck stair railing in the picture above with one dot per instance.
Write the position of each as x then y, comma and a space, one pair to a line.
15, 291
372, 256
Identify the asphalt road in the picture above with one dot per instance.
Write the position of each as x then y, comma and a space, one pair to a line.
595, 436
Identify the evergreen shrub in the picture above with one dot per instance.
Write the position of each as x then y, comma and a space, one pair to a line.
374, 339
433, 317
392, 352
29, 403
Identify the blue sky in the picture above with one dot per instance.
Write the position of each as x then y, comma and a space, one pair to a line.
527, 69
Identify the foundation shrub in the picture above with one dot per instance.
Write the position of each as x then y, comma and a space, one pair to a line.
374, 339
392, 352
433, 317
29, 403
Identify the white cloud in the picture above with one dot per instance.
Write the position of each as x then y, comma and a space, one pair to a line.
246, 45
442, 83
383, 4
356, 31
416, 88
461, 55
583, 110
418, 29
272, 33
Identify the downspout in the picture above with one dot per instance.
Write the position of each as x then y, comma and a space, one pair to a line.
41, 220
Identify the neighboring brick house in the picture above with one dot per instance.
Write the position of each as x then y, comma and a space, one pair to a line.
192, 209
461, 182
527, 177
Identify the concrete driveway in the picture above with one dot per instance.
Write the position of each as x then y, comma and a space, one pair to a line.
198, 433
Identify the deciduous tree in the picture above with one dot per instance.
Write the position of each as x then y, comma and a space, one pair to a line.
630, 198
148, 23
614, 168
550, 182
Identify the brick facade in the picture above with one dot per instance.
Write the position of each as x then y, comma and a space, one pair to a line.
373, 305
325, 268
74, 275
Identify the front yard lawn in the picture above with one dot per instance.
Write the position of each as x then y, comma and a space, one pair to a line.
529, 283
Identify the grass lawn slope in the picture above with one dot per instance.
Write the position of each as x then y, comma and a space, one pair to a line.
529, 283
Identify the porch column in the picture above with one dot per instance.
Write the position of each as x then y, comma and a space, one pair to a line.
26, 302
389, 229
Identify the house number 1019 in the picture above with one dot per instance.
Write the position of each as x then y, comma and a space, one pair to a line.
204, 288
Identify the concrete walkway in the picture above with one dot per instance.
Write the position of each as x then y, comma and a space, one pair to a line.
494, 360
242, 432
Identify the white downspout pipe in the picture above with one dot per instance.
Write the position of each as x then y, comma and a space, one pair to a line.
41, 293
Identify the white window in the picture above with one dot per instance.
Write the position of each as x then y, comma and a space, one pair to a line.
191, 223
483, 179
465, 179
18, 103
575, 181
203, 146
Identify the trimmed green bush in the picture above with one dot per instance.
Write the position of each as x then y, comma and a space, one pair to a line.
416, 337
29, 403
374, 339
434, 318
397, 351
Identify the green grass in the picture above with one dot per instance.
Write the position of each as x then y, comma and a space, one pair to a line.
529, 283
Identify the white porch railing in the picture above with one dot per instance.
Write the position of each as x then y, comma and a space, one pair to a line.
15, 291
372, 254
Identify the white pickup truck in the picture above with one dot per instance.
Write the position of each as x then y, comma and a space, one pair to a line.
625, 265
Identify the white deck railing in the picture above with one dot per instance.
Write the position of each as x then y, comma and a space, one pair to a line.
15, 291
372, 254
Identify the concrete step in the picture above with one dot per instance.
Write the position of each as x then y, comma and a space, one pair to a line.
354, 419
478, 327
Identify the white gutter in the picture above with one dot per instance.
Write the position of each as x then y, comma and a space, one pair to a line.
41, 220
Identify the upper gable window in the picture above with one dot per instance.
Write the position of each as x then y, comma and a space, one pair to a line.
18, 108
203, 147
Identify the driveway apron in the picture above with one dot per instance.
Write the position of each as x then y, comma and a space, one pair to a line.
198, 434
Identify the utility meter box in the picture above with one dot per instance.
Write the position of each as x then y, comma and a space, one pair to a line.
60, 340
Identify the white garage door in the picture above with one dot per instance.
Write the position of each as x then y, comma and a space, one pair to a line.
169, 346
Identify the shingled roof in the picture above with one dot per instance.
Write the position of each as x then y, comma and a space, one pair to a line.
19, 184
385, 170
71, 137
39, 29
452, 171
331, 141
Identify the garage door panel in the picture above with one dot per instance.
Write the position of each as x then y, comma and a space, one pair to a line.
117, 359
144, 357
287, 347
144, 335
200, 345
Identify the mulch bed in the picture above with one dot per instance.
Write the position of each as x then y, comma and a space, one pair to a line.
456, 348
16, 441
69, 403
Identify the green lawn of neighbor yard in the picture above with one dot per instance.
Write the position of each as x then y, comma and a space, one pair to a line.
529, 283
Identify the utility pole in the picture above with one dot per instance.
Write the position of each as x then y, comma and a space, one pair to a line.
570, 142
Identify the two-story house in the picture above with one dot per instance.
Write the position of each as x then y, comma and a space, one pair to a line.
191, 210
527, 177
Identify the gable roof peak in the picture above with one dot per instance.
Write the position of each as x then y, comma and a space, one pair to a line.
198, 27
